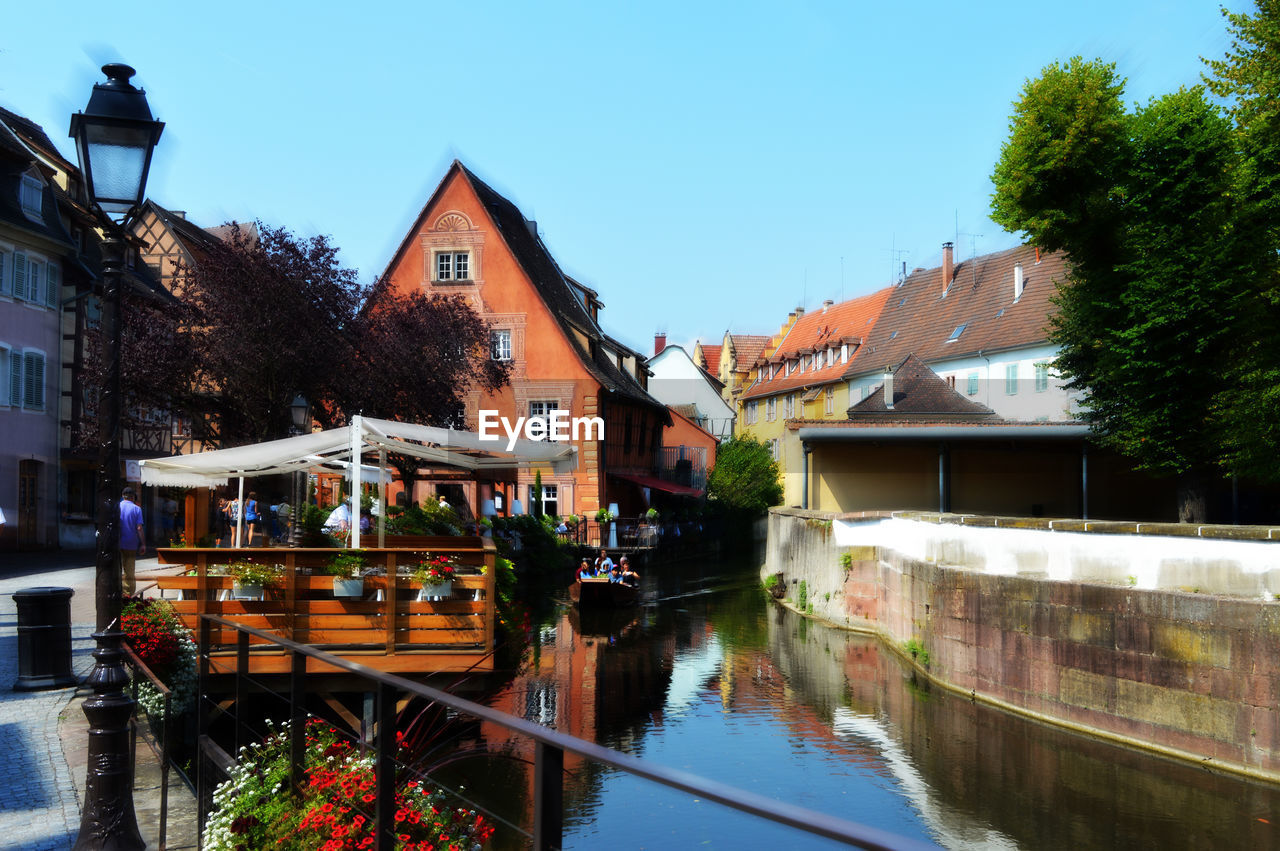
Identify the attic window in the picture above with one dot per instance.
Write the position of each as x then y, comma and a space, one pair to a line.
999, 313
893, 334
32, 196
453, 266
955, 335
904, 301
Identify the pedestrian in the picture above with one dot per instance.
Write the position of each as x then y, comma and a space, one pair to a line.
251, 516
284, 518
132, 541
169, 520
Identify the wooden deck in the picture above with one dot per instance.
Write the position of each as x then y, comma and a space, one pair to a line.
386, 629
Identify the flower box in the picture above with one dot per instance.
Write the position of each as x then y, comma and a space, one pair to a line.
435, 590
348, 587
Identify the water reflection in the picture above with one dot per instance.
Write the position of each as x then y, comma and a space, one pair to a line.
713, 679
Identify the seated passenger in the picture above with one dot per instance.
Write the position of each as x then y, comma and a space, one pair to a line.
604, 564
615, 575
585, 571
629, 576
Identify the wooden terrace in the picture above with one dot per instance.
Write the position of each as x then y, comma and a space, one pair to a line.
387, 628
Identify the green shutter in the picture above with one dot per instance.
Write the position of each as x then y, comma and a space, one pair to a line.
33, 377
15, 379
53, 284
19, 275
6, 276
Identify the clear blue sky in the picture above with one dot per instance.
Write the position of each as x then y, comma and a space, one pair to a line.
705, 166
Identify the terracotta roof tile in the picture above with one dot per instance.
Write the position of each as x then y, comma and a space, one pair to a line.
711, 357
917, 390
748, 347
918, 319
849, 320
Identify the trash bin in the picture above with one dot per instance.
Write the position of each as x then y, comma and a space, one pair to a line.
44, 638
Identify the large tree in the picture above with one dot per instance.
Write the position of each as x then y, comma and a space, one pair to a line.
1142, 203
415, 357
1248, 79
270, 315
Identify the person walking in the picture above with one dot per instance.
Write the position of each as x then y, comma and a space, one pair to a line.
133, 543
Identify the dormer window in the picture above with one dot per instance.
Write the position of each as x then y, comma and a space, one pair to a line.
31, 195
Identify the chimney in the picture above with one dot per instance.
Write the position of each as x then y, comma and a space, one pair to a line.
888, 390
532, 227
827, 304
659, 343
948, 268
1017, 282
799, 311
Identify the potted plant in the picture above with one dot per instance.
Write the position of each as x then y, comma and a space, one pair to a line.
436, 575
250, 578
347, 569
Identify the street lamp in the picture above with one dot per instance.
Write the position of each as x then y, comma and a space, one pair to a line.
300, 410
114, 136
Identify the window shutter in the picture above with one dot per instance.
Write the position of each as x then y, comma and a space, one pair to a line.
19, 275
53, 285
15, 379
6, 275
33, 376
35, 278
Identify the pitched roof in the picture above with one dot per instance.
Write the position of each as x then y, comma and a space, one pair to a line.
918, 393
710, 356
847, 322
747, 348
917, 319
33, 135
558, 291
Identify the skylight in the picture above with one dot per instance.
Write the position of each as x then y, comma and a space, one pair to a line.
955, 335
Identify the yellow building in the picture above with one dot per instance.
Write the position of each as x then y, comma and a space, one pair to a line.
801, 375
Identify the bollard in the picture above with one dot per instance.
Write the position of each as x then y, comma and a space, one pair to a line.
44, 639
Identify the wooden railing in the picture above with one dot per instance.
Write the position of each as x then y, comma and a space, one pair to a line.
386, 628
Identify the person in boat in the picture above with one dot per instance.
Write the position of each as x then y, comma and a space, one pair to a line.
585, 571
615, 575
629, 577
604, 564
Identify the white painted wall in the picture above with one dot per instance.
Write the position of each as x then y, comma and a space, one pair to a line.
1026, 403
677, 380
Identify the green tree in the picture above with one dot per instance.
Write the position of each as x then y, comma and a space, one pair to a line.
1142, 204
745, 476
1248, 79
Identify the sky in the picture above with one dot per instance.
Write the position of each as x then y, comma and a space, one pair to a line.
704, 166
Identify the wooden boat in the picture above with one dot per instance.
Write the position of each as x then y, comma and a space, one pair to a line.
600, 593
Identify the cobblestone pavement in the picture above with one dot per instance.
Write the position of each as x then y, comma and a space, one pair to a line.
39, 795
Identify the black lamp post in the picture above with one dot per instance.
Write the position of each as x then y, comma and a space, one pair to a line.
300, 410
115, 136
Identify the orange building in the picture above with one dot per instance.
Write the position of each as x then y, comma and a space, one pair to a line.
470, 241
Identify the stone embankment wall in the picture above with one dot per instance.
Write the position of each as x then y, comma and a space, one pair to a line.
1188, 672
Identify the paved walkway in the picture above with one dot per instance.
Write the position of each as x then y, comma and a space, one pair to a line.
44, 734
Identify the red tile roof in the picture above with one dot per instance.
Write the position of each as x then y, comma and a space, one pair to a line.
918, 320
710, 357
849, 321
918, 392
748, 347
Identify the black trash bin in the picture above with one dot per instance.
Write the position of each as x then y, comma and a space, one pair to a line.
44, 639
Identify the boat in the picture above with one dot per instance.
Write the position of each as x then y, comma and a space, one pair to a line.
600, 593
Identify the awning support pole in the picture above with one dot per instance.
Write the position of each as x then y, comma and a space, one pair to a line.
357, 443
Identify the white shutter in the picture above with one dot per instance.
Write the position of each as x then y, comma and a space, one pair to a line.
33, 378
53, 284
19, 275
15, 379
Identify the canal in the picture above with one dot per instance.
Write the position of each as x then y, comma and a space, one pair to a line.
709, 676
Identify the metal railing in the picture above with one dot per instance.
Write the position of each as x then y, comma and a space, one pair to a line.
550, 747
166, 733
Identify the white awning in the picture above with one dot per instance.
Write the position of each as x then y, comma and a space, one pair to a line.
333, 449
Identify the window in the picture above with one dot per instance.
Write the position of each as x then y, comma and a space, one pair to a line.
453, 266
829, 402
1011, 379
790, 406
773, 448
181, 427
550, 499
753, 413
543, 407
32, 194
25, 374
955, 335
1042, 377
771, 409
951, 382
500, 344
973, 384
844, 352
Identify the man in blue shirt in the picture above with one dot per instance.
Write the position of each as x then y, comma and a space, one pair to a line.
132, 542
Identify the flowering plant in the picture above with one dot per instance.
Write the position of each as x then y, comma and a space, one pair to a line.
436, 569
252, 573
334, 807
160, 639
346, 565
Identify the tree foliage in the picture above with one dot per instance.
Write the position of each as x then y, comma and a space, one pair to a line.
1142, 203
270, 315
745, 476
